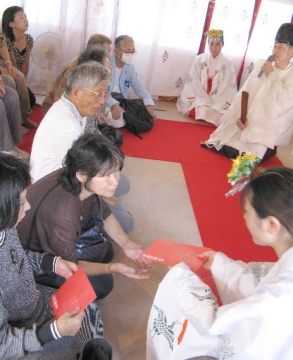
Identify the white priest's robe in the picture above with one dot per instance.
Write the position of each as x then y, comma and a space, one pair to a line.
269, 114
255, 321
208, 106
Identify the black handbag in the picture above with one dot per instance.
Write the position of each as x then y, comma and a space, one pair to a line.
93, 126
111, 133
137, 118
92, 244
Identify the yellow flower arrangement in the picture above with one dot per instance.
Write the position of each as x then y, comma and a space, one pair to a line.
243, 167
213, 33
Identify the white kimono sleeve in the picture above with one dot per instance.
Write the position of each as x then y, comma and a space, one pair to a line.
235, 280
193, 93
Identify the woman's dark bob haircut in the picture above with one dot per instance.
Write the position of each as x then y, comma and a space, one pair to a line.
14, 178
91, 155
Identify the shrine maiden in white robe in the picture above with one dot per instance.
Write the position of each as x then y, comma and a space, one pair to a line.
208, 106
255, 321
269, 114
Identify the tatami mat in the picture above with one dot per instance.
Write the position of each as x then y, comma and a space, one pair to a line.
161, 207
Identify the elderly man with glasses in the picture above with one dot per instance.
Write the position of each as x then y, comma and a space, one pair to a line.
123, 77
85, 92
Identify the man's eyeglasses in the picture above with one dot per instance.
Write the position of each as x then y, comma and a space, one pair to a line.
100, 95
128, 52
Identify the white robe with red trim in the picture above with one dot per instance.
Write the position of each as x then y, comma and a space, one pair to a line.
255, 321
212, 106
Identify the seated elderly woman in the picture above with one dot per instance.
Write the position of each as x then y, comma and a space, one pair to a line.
66, 206
85, 93
28, 328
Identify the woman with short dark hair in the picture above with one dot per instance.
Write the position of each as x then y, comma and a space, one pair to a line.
72, 196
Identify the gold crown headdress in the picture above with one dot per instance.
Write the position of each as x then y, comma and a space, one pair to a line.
214, 34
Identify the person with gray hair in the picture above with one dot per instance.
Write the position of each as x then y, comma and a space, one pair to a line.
123, 77
85, 93
102, 40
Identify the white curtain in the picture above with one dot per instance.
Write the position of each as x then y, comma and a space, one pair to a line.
74, 21
167, 33
234, 18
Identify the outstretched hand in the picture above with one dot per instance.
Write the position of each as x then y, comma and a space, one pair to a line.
134, 252
65, 268
130, 272
209, 256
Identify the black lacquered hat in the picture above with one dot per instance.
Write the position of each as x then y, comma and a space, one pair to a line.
285, 34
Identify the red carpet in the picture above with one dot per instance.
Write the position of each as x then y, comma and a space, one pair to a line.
219, 219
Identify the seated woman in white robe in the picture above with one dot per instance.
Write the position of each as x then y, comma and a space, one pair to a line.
255, 320
211, 83
269, 119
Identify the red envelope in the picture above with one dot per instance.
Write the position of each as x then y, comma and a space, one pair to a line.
76, 291
171, 253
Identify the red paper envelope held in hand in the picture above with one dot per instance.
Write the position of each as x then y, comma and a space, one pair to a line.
171, 253
77, 291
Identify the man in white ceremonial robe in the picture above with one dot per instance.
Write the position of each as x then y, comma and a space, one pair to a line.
255, 320
269, 119
210, 86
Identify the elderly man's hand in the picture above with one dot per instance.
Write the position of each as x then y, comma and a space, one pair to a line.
267, 68
240, 124
150, 109
116, 111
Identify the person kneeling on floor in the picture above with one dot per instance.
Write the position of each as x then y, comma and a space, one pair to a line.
68, 217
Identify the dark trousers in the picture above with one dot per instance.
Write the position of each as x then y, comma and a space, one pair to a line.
232, 153
31, 97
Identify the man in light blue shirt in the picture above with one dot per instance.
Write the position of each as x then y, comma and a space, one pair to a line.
123, 77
